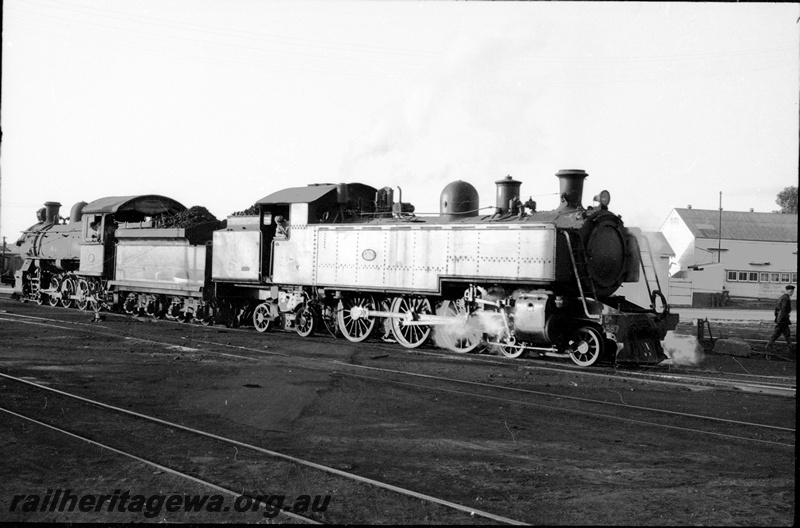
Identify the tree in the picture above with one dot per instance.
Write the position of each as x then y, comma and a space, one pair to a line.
787, 199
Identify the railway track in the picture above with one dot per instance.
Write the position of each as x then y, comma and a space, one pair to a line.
141, 427
526, 399
667, 375
281, 515
613, 408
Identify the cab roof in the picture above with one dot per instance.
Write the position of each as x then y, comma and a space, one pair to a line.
308, 194
146, 204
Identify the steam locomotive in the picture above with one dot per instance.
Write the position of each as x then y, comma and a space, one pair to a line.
350, 259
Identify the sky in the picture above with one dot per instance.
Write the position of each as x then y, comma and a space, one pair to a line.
220, 103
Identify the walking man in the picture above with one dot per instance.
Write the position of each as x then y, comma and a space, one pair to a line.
782, 322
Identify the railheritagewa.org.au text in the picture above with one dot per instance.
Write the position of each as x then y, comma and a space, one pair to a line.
151, 506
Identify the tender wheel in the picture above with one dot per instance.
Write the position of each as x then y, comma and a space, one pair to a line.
304, 321
207, 315
174, 311
457, 336
129, 306
410, 336
152, 307
68, 288
355, 326
55, 284
262, 317
586, 346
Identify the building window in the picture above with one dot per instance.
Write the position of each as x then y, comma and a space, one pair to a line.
763, 276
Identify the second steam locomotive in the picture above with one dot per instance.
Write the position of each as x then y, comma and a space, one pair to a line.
350, 259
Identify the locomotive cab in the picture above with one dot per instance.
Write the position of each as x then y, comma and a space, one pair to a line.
286, 217
97, 245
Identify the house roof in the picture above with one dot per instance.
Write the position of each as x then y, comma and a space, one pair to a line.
737, 225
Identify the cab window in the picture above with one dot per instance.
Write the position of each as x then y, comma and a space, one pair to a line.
93, 228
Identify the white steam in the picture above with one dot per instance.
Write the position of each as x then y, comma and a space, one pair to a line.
682, 350
447, 335
478, 325
487, 323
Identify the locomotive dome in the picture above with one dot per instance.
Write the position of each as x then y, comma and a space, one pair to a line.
459, 199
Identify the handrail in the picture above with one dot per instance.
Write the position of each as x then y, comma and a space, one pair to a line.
644, 270
578, 278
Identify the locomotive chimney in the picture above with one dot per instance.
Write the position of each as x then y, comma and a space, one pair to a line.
507, 190
571, 184
51, 212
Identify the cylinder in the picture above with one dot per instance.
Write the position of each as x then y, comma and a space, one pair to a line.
507, 190
51, 212
571, 188
459, 199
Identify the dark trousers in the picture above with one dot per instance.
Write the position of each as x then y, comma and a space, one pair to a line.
781, 329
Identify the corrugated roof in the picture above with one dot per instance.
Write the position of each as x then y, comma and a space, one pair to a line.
737, 225
148, 204
307, 194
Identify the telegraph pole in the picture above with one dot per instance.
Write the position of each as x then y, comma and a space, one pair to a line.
719, 231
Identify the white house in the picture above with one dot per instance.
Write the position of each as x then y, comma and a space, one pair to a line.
752, 255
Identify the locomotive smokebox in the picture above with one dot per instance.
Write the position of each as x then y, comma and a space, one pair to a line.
459, 199
571, 184
51, 212
507, 191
